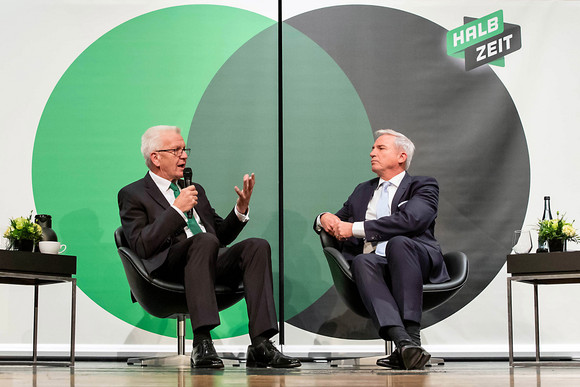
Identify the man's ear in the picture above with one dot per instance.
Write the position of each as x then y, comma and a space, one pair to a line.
402, 158
154, 156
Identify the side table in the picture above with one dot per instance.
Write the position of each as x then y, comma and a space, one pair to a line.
539, 269
27, 268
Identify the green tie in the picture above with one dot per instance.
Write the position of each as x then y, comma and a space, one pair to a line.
191, 223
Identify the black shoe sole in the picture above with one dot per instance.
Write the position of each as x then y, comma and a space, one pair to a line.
256, 365
264, 365
215, 365
425, 357
386, 364
414, 358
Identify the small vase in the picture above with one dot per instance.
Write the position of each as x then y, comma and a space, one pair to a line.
23, 245
557, 245
45, 222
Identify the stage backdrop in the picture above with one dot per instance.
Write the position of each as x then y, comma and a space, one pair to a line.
488, 93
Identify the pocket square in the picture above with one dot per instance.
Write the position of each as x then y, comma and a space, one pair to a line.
400, 204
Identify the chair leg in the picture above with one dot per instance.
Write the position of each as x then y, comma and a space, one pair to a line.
181, 335
366, 361
179, 360
388, 347
435, 361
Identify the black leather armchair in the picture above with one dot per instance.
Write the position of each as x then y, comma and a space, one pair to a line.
433, 294
164, 299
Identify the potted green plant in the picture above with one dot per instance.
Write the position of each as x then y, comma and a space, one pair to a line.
22, 234
557, 232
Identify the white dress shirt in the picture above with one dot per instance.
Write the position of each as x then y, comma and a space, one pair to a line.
358, 228
164, 187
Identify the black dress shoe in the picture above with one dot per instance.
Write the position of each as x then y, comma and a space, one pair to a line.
266, 355
412, 356
392, 361
205, 356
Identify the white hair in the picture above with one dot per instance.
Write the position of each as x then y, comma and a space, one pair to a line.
401, 141
151, 140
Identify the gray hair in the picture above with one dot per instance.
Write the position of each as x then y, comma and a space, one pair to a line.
150, 141
401, 141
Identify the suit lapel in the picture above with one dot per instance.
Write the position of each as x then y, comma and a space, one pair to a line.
153, 191
366, 196
400, 192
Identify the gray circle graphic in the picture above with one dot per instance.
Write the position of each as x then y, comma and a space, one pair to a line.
466, 129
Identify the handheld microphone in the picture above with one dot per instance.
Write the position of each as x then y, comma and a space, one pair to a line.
187, 176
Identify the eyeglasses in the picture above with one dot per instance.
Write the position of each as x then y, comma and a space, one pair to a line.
176, 152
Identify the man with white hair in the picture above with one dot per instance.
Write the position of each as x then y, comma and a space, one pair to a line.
186, 249
387, 228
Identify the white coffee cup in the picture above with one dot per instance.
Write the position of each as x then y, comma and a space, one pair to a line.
51, 247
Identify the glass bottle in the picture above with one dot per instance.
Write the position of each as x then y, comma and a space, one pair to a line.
543, 244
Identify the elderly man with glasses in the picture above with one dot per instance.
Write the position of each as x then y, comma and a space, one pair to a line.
184, 248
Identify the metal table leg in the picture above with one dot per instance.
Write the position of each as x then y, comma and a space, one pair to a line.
73, 320
35, 327
536, 323
510, 322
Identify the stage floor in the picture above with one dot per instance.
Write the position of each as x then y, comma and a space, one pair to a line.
453, 373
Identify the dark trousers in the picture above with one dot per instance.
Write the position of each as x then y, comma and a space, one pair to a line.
391, 287
199, 264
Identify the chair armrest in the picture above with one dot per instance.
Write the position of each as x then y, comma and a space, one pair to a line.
458, 268
328, 240
137, 264
337, 261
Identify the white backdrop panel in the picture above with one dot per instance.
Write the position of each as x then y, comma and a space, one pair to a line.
41, 39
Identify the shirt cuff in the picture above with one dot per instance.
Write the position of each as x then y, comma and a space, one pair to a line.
318, 224
358, 230
242, 217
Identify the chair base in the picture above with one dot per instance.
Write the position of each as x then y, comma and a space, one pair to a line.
355, 362
165, 361
179, 361
372, 361
435, 361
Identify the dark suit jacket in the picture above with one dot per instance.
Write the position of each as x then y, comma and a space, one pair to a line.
413, 213
152, 226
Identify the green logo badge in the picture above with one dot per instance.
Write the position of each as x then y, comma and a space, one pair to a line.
484, 40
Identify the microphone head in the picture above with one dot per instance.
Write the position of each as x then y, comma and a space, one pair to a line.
187, 174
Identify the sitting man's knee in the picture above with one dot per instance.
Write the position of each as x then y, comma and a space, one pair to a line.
400, 242
362, 262
259, 244
205, 239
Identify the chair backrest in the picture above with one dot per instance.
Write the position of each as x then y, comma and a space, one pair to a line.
458, 269
158, 297
341, 275
344, 282
433, 294
120, 239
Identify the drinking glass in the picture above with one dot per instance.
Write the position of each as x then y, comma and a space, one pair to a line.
522, 242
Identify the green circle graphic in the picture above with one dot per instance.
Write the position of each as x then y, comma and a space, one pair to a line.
222, 64
151, 70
